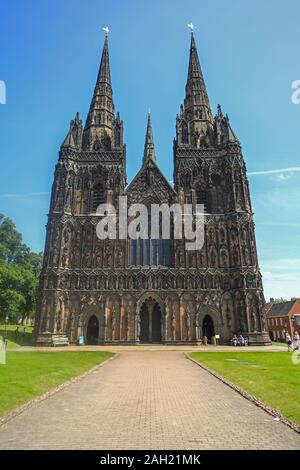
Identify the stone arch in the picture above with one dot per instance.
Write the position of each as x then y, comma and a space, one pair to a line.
89, 312
151, 296
215, 315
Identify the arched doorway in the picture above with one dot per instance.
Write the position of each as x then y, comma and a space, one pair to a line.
92, 334
151, 318
208, 327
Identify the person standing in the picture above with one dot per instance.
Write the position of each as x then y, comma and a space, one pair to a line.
296, 341
288, 342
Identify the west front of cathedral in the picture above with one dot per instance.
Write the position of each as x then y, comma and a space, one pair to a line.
150, 291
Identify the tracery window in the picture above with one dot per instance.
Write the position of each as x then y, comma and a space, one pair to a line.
98, 197
150, 251
203, 197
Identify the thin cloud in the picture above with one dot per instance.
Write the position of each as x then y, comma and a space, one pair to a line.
274, 172
21, 196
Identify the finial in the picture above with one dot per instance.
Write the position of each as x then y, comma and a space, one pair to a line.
106, 30
191, 27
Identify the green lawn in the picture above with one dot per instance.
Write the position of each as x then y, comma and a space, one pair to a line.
270, 376
15, 341
29, 374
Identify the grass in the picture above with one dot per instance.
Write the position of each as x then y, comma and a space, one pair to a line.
30, 374
15, 341
269, 376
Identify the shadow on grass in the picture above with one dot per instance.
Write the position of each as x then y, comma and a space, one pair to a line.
18, 339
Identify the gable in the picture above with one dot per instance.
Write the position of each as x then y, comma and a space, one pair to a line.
150, 185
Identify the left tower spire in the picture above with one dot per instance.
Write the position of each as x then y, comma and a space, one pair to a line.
99, 127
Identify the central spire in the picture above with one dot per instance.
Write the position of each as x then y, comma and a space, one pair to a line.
149, 150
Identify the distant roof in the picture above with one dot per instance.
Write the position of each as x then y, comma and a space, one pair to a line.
280, 310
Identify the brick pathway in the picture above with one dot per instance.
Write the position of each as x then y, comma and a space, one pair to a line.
147, 400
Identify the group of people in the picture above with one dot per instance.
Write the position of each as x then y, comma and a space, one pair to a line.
238, 341
292, 343
20, 333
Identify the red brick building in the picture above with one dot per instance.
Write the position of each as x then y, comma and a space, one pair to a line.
282, 318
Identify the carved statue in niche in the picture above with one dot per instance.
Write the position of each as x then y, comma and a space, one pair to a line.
99, 256
235, 256
233, 233
119, 257
113, 321
222, 235
138, 326
150, 176
109, 255
187, 319
69, 186
126, 324
184, 133
263, 321
65, 257
224, 257
213, 258
211, 236
59, 193
78, 238
173, 323
55, 256
254, 322
227, 309
229, 201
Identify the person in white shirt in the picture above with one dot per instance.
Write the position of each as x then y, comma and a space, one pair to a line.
296, 341
288, 341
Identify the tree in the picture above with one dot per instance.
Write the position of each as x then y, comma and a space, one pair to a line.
19, 273
280, 301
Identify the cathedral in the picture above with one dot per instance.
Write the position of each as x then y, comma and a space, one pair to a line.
140, 291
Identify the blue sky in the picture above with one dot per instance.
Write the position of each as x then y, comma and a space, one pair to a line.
50, 53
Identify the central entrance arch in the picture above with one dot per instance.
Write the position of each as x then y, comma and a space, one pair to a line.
92, 334
151, 322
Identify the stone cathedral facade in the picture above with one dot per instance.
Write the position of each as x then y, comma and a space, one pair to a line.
150, 291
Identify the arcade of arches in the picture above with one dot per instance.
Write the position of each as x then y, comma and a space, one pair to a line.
150, 319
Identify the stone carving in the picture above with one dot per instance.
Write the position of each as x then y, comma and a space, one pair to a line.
208, 168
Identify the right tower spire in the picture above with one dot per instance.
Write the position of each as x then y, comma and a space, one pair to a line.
195, 121
196, 101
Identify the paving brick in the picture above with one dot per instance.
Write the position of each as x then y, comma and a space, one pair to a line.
147, 400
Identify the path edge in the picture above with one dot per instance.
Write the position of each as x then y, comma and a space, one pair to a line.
53, 391
259, 403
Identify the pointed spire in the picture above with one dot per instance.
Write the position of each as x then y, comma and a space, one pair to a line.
104, 70
196, 100
73, 139
101, 114
149, 150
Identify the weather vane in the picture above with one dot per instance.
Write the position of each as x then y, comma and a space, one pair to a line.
191, 27
106, 30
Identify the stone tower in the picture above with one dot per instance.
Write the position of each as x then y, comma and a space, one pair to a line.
152, 290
